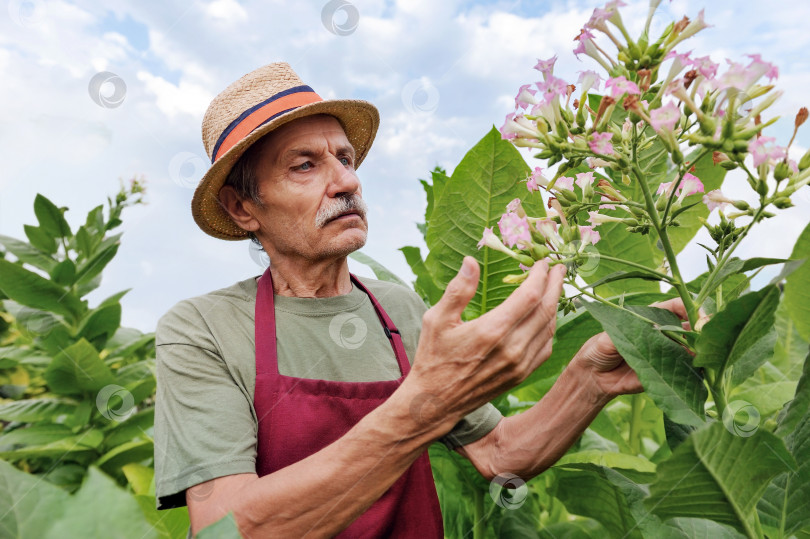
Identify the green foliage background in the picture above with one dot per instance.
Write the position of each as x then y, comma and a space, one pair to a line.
77, 389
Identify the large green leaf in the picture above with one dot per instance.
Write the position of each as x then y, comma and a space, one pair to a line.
790, 349
796, 408
381, 272
664, 367
25, 252
29, 504
28, 288
51, 219
100, 324
61, 447
487, 179
169, 524
718, 475
741, 336
224, 528
78, 369
40, 239
425, 286
91, 268
31, 410
593, 493
585, 528
101, 509
33, 435
784, 506
797, 286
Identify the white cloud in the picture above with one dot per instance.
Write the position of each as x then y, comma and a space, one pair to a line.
226, 10
171, 99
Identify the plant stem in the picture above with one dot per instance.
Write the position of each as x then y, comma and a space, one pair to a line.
478, 515
701, 297
672, 335
634, 440
691, 310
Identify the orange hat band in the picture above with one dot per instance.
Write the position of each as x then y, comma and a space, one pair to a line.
262, 113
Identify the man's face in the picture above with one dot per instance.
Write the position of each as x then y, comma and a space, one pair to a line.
312, 206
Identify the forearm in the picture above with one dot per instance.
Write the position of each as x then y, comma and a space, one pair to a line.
526, 444
321, 495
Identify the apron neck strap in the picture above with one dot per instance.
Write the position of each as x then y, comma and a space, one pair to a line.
265, 320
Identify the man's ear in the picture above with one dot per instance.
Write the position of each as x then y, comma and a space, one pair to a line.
241, 211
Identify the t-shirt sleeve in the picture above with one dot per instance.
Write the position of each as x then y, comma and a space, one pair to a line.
474, 425
204, 422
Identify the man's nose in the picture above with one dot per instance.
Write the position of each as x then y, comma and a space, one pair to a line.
343, 180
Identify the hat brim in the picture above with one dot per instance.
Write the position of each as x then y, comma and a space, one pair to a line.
359, 119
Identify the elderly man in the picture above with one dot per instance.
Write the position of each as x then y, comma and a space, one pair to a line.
264, 411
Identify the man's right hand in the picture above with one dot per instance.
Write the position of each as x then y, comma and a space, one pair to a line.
460, 366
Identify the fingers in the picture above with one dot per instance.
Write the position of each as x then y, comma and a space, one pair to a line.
675, 306
460, 290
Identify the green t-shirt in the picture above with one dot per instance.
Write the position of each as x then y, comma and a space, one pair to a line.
205, 423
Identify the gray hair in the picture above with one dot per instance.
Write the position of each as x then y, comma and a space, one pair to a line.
245, 180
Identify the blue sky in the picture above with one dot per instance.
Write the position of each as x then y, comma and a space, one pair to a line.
468, 58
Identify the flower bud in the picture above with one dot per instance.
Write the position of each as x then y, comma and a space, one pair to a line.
728, 165
804, 162
516, 279
762, 187
781, 171
661, 203
783, 203
741, 205
540, 251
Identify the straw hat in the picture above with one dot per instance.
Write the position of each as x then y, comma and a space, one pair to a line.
248, 109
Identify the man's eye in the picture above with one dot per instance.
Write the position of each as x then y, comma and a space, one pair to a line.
346, 161
305, 166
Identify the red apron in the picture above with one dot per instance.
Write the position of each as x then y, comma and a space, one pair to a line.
298, 417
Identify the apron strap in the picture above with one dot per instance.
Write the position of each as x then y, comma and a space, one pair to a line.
390, 329
266, 353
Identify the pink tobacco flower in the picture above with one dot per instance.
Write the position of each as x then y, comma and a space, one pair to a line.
552, 87
600, 143
716, 199
584, 179
759, 67
536, 180
596, 218
589, 80
679, 61
515, 230
584, 42
548, 229
564, 182
525, 97
517, 125
546, 67
690, 185
763, 154
589, 235
665, 187
705, 67
620, 86
507, 133
666, 117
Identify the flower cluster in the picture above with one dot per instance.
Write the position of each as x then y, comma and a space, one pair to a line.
651, 101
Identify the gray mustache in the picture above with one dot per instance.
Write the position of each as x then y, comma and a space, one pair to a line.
342, 205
